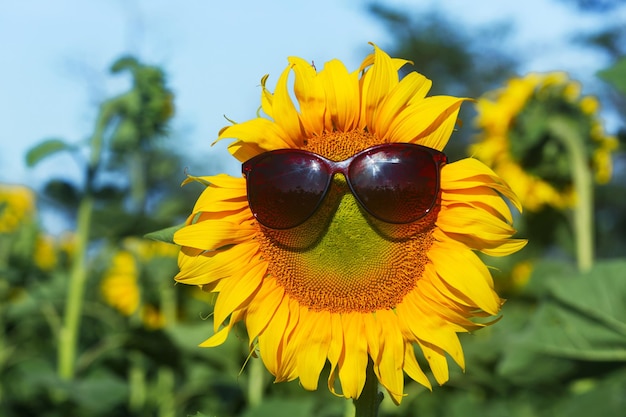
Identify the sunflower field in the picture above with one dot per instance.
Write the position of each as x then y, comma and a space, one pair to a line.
356, 267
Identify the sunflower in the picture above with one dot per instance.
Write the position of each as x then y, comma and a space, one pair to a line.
17, 206
519, 142
45, 253
119, 287
343, 287
126, 285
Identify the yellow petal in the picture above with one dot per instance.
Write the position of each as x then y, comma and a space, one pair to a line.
261, 133
472, 222
262, 308
217, 338
211, 266
288, 366
267, 98
314, 340
213, 235
419, 94
220, 181
236, 290
465, 272
482, 198
236, 217
437, 362
492, 247
471, 173
410, 87
455, 314
271, 338
342, 92
335, 349
376, 83
371, 59
372, 335
243, 151
284, 112
389, 368
235, 198
436, 136
511, 246
450, 296
428, 122
429, 327
412, 368
220, 337
311, 96
352, 367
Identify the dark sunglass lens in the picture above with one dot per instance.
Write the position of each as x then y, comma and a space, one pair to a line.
396, 185
284, 189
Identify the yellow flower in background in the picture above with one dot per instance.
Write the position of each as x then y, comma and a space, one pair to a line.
17, 205
119, 287
520, 275
45, 256
589, 105
67, 245
126, 285
518, 143
152, 317
328, 280
604, 146
149, 249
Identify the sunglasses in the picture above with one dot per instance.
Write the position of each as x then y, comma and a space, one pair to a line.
394, 182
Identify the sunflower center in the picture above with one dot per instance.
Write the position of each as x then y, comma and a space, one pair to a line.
342, 259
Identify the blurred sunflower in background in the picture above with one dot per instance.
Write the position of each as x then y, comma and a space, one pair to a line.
519, 137
17, 204
350, 268
45, 254
120, 286
127, 283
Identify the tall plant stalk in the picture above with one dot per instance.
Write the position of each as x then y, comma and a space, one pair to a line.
68, 335
583, 187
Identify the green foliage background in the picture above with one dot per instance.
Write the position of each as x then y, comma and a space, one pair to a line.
559, 349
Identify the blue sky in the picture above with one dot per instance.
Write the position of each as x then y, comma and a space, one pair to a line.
55, 55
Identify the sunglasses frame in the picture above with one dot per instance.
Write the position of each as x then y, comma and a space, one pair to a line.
343, 167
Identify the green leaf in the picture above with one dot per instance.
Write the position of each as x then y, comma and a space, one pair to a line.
164, 235
616, 75
595, 397
124, 63
583, 317
63, 192
282, 408
45, 149
598, 299
99, 392
543, 272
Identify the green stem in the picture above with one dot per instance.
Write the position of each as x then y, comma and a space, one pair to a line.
583, 186
4, 350
165, 382
138, 175
68, 335
368, 402
136, 383
168, 303
255, 383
